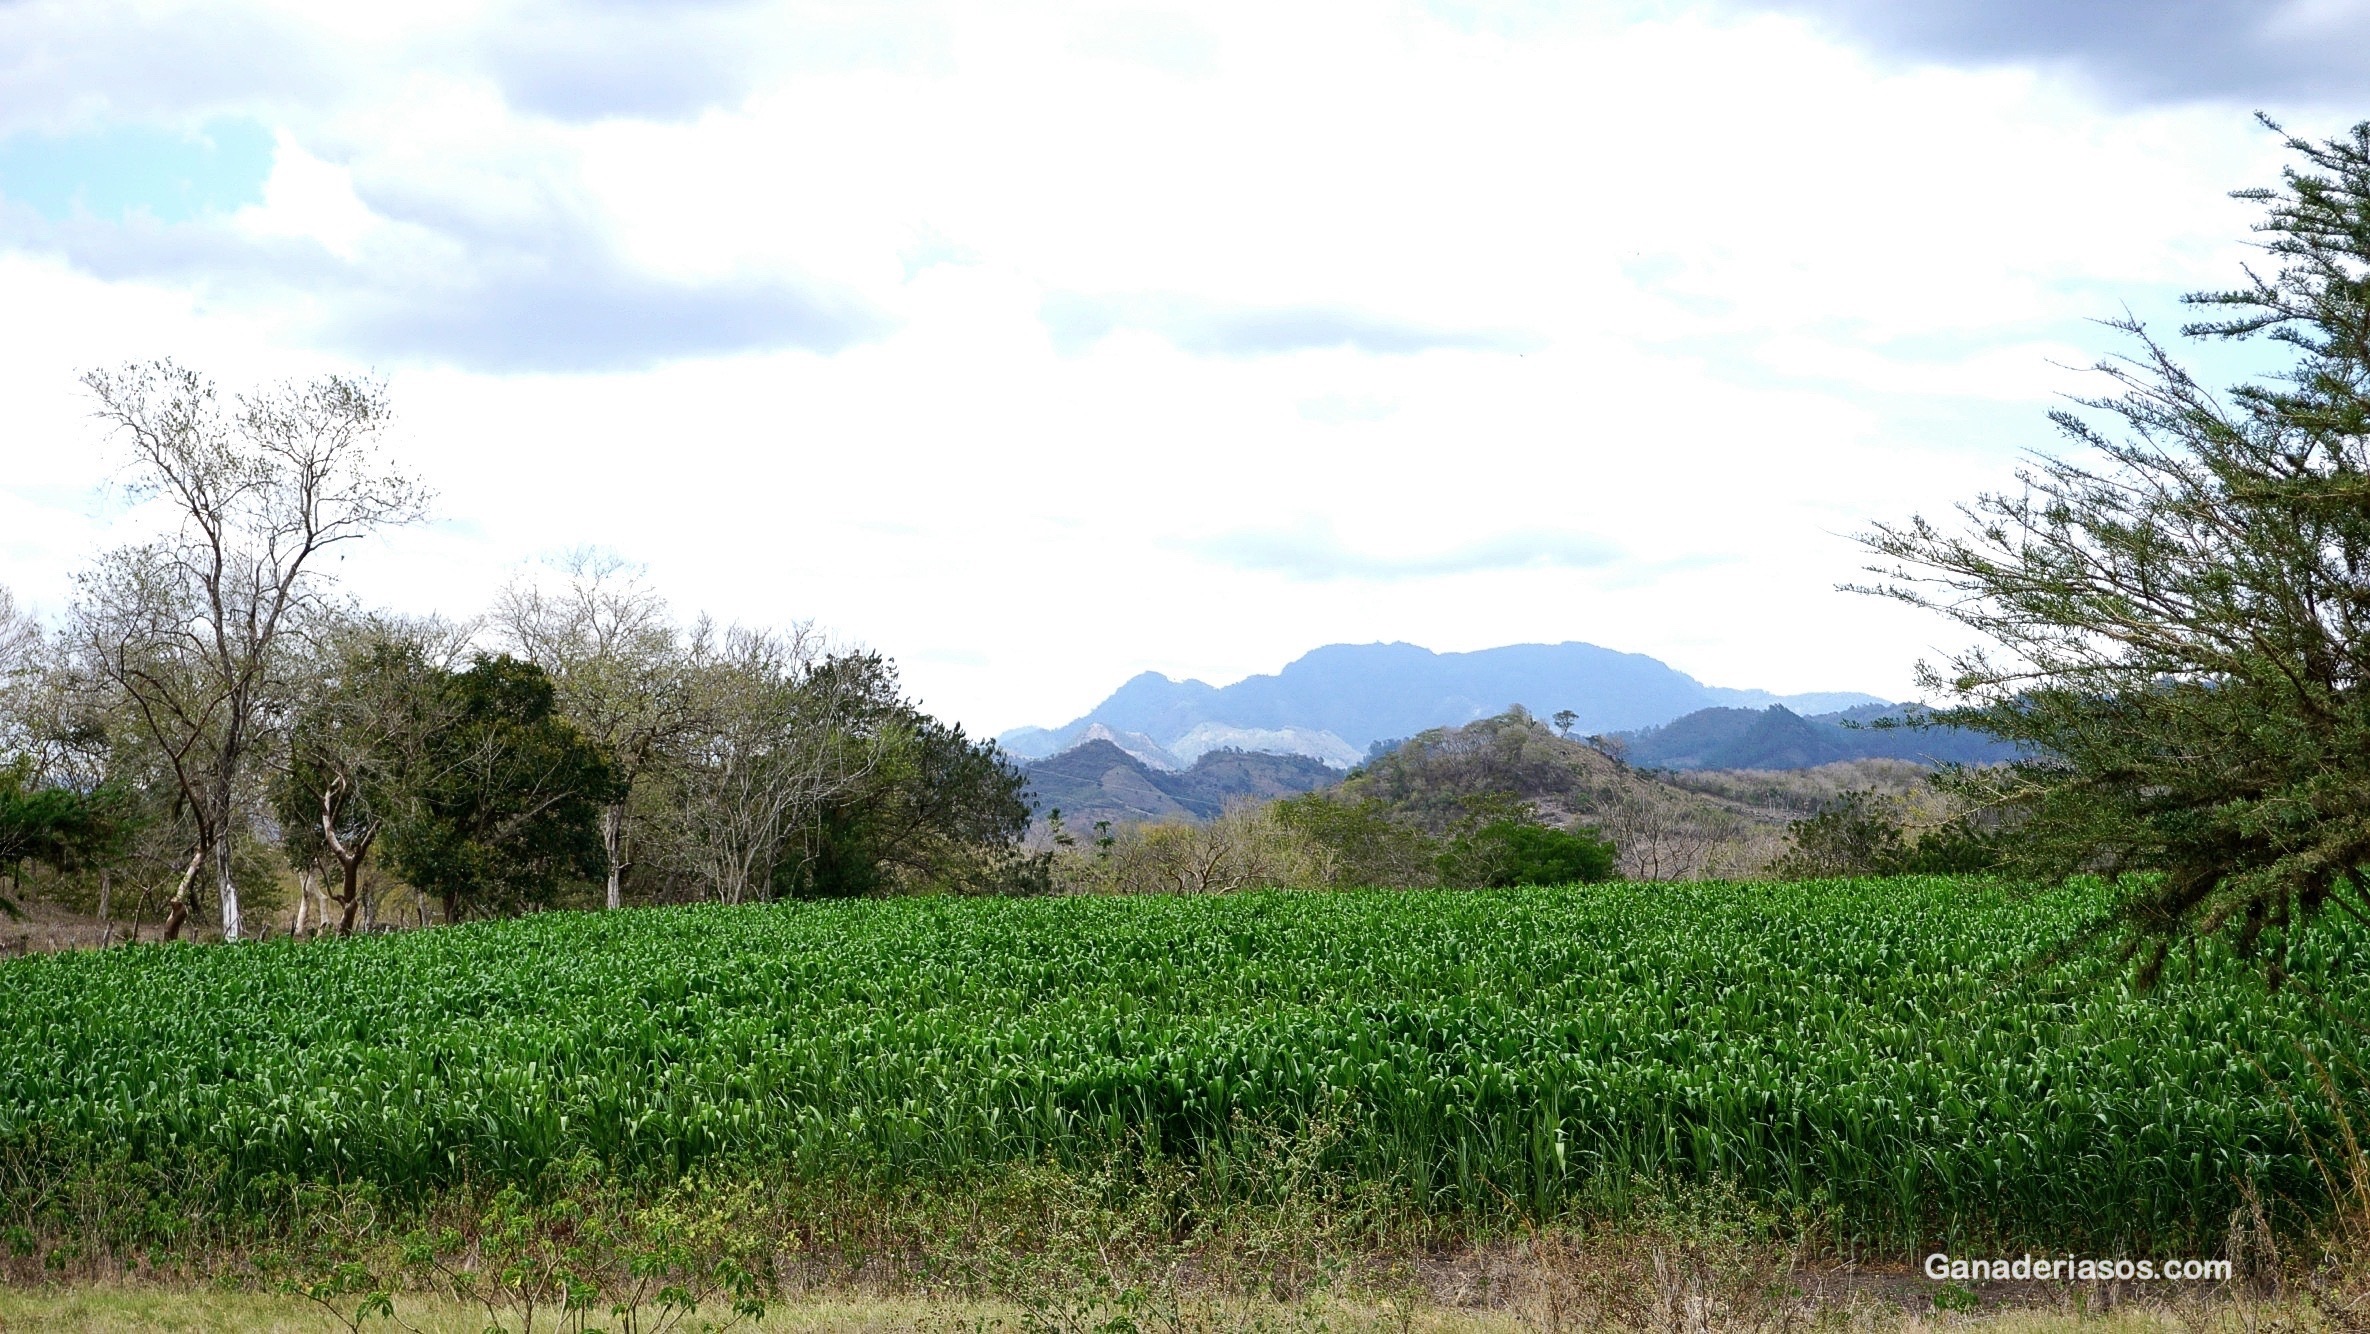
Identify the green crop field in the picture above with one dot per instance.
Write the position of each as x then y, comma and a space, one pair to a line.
1878, 1050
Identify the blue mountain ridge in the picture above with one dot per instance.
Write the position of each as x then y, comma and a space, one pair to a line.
1364, 693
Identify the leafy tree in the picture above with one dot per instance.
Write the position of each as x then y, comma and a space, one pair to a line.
2178, 616
1865, 832
58, 827
502, 805
1366, 846
933, 809
1968, 845
1503, 850
370, 709
1858, 833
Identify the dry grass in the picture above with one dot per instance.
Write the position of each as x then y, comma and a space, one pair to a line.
117, 1308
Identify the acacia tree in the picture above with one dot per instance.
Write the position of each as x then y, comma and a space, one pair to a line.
188, 628
621, 673
2176, 615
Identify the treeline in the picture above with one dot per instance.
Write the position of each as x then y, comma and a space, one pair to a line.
213, 725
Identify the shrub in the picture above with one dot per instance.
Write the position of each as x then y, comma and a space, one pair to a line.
1513, 851
1246, 847
1365, 845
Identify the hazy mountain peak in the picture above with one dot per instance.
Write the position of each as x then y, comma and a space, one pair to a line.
1334, 701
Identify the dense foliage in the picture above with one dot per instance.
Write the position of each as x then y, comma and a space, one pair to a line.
1510, 851
59, 827
1880, 1050
1864, 832
502, 809
935, 808
2176, 616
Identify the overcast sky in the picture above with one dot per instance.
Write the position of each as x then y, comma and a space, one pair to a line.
1039, 345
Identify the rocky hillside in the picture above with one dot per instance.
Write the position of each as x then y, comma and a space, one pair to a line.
1664, 825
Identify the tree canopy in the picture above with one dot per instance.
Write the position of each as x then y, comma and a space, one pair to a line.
2174, 615
503, 804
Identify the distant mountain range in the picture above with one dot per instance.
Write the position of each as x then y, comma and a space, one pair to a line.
1103, 778
1332, 703
1779, 738
1099, 781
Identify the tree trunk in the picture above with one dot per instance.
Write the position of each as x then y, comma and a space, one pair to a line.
304, 904
177, 911
228, 889
106, 907
613, 843
353, 898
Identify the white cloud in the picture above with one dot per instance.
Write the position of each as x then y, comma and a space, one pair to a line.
968, 332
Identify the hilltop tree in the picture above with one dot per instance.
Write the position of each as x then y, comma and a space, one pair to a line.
2177, 613
188, 628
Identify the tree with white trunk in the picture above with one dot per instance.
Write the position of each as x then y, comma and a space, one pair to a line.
369, 703
624, 676
189, 629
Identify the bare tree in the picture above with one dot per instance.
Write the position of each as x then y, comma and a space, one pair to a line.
623, 674
20, 640
22, 649
775, 749
189, 627
1657, 837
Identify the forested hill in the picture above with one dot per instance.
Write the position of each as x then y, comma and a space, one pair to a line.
1099, 781
1779, 738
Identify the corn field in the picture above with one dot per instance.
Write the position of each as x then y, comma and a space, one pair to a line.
1886, 1053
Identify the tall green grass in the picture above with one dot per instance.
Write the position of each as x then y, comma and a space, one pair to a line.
1882, 1052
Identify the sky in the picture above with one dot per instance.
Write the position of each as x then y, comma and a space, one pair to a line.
1038, 345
